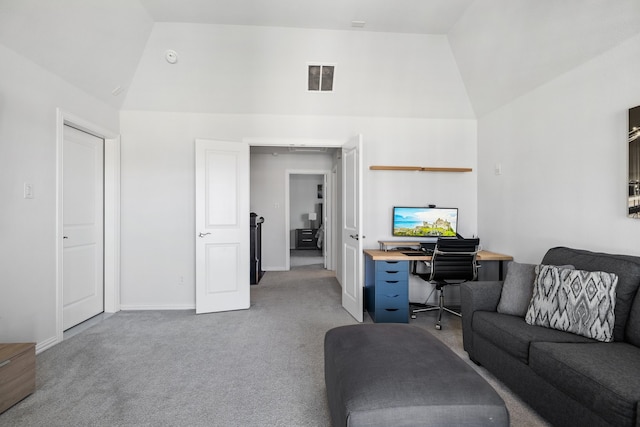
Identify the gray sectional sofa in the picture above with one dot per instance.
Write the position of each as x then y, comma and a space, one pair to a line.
571, 379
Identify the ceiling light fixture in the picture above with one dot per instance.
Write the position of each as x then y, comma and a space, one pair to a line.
358, 24
299, 149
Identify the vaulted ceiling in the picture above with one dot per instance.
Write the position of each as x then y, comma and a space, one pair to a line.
503, 48
394, 16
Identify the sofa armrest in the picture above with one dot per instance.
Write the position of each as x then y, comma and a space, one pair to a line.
475, 296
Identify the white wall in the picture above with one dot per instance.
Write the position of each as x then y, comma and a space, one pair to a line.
29, 96
157, 205
563, 151
439, 143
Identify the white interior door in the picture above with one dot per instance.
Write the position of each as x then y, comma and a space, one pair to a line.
222, 226
83, 229
352, 288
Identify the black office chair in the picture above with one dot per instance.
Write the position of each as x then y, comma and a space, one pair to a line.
453, 262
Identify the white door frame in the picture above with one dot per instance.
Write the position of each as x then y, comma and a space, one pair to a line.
327, 220
332, 263
111, 215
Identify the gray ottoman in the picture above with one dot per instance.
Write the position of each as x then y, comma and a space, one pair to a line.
401, 375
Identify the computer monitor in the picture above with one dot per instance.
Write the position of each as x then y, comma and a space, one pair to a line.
421, 222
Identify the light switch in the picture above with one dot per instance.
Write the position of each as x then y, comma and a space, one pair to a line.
28, 191
498, 169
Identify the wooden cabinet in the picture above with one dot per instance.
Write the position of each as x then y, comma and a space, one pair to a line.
306, 238
17, 373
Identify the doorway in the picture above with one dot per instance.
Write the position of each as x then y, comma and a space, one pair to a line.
111, 218
306, 220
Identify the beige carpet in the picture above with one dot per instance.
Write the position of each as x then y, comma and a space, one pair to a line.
305, 257
258, 367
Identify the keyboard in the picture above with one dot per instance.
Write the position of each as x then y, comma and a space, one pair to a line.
414, 253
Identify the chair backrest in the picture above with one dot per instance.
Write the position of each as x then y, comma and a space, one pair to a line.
454, 260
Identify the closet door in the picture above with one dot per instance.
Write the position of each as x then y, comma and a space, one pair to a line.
83, 226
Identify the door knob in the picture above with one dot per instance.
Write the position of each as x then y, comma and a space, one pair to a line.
354, 236
203, 234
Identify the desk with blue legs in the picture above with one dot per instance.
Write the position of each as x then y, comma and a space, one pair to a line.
386, 281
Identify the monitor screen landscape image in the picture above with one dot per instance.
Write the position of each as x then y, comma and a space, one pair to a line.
425, 222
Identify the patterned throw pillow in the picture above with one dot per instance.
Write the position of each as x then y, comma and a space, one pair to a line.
577, 301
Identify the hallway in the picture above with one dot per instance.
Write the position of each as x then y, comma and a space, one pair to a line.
304, 257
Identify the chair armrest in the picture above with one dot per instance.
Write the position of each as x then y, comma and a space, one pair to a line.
476, 296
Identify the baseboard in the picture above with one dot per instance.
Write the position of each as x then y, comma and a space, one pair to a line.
46, 344
124, 307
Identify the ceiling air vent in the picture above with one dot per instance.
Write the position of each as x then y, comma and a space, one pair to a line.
320, 78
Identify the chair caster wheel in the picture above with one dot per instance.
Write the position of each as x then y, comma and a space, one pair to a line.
438, 327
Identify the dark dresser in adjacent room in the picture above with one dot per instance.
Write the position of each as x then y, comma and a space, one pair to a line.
306, 238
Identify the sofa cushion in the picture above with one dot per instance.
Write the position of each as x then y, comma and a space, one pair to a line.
517, 289
513, 335
577, 301
633, 325
626, 267
600, 376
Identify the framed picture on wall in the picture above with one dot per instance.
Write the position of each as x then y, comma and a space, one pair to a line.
320, 192
634, 163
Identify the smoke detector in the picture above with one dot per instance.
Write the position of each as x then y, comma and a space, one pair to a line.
171, 56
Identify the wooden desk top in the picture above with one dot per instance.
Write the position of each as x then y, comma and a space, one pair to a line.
378, 255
